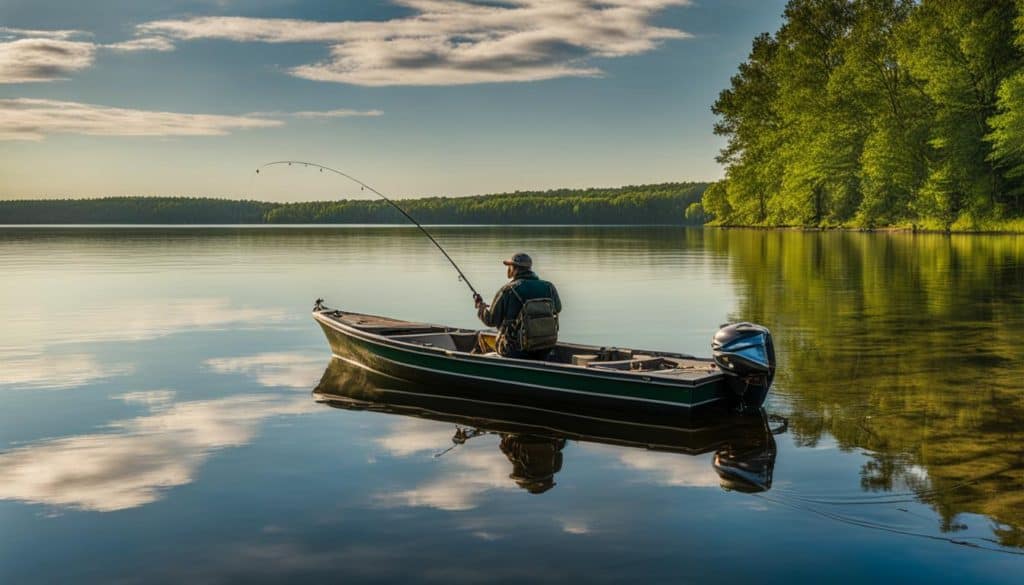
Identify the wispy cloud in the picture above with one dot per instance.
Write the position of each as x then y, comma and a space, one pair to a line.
65, 34
43, 59
342, 113
148, 397
451, 42
319, 114
160, 44
34, 119
31, 56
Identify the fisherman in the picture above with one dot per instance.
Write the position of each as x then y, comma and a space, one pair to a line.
525, 312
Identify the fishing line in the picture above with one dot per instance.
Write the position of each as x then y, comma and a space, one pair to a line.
322, 168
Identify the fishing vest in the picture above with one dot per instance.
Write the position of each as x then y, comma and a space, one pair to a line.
536, 326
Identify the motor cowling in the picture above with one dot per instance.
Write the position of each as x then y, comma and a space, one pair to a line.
745, 350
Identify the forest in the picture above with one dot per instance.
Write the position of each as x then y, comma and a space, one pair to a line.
872, 113
660, 204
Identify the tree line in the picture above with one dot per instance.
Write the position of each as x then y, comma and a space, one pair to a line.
664, 203
877, 112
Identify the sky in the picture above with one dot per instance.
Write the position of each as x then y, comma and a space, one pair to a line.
414, 97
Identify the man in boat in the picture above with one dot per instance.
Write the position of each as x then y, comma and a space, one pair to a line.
525, 312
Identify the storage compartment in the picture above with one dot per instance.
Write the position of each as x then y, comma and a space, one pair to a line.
584, 359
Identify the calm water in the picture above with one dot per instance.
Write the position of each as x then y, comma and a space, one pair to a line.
157, 422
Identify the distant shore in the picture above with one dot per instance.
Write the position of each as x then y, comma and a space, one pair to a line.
658, 204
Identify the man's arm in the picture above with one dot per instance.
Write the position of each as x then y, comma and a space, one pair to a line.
491, 316
554, 297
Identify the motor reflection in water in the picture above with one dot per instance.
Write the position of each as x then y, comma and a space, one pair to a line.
533, 438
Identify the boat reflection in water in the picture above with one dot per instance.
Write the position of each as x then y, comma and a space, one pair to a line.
533, 438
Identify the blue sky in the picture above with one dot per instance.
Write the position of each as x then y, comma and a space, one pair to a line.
416, 97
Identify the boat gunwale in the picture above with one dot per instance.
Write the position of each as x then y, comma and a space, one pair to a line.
568, 369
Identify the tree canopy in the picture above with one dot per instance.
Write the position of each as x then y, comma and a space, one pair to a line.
877, 112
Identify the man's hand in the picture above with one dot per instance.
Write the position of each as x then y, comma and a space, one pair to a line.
478, 301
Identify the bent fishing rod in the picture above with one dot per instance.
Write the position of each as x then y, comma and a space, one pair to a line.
322, 168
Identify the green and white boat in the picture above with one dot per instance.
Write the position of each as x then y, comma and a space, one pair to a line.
574, 378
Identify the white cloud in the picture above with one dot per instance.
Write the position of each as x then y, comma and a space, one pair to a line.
143, 44
575, 527
318, 114
147, 397
34, 119
342, 113
30, 56
451, 42
288, 369
9, 32
141, 459
43, 59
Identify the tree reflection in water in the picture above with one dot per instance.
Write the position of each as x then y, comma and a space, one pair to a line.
906, 346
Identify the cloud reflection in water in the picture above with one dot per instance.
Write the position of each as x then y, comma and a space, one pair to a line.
468, 472
135, 320
142, 458
31, 370
287, 369
38, 360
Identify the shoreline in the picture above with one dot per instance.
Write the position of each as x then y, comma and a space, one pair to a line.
329, 226
886, 229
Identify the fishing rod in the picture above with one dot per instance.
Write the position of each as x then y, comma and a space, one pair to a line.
322, 168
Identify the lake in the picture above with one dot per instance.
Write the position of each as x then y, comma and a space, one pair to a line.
157, 420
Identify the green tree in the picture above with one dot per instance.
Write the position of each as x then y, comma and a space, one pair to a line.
747, 117
961, 51
1007, 135
895, 113
823, 131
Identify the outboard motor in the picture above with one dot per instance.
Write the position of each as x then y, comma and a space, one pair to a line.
745, 352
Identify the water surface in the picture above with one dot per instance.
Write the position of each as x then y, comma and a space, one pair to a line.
157, 422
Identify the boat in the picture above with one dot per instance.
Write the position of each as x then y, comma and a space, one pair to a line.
743, 444
574, 378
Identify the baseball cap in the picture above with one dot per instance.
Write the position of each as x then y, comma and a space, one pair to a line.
519, 259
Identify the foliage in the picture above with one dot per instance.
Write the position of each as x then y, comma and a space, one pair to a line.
644, 204
877, 112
